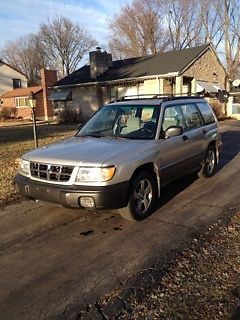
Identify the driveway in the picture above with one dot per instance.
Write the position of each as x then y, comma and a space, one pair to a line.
56, 261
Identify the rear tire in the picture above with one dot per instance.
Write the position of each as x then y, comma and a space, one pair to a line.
209, 164
143, 196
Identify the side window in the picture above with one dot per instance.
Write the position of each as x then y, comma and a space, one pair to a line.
191, 116
173, 116
206, 112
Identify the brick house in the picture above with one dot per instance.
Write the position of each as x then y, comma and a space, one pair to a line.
185, 71
18, 99
11, 78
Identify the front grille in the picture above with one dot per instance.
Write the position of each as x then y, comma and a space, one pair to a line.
50, 172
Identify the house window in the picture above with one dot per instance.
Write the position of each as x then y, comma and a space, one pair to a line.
17, 83
22, 102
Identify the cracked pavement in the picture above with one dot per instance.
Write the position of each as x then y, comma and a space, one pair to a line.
55, 262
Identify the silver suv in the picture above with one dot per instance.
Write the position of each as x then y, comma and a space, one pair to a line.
124, 155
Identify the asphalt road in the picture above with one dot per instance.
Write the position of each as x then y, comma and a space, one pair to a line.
55, 261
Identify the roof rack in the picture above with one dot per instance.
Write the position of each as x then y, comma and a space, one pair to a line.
159, 96
221, 95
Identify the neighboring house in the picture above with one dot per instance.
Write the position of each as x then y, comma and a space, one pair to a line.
10, 78
18, 99
233, 107
177, 72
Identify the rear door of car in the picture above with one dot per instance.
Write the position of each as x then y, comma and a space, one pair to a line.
182, 154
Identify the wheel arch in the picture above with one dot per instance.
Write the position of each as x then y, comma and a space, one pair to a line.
213, 144
151, 168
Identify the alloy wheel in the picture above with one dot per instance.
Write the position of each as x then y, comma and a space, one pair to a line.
142, 196
210, 161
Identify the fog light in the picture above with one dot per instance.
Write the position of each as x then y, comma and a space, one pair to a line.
87, 202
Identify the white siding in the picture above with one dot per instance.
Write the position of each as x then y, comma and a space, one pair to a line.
7, 74
127, 91
146, 87
151, 87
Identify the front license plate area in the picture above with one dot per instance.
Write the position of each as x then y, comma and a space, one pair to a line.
44, 193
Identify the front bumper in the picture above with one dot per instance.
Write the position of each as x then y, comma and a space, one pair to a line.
105, 197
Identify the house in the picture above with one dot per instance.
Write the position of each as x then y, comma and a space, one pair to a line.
233, 106
10, 78
176, 72
18, 99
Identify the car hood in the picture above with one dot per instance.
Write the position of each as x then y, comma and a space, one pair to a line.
79, 151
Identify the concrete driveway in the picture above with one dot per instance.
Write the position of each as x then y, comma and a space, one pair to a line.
56, 261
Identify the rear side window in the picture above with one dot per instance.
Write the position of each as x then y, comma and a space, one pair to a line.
191, 116
206, 112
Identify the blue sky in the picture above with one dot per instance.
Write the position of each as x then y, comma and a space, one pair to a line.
20, 17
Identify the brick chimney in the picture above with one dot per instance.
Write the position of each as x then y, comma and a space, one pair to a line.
48, 78
100, 61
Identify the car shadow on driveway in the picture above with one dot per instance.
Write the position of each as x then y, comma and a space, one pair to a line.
231, 147
170, 191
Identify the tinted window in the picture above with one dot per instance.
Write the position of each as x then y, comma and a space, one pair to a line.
191, 116
206, 112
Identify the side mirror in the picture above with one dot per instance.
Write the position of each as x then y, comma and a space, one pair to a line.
173, 131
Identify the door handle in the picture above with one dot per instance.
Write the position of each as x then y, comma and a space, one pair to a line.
204, 131
185, 138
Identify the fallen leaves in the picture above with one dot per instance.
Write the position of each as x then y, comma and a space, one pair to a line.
203, 283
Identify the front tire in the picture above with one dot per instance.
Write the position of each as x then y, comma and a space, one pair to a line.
143, 196
210, 163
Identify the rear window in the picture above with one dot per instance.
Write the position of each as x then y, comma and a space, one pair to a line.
206, 112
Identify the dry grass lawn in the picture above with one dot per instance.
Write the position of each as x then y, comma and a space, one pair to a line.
14, 141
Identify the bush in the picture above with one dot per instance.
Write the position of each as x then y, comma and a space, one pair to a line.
69, 115
218, 109
7, 113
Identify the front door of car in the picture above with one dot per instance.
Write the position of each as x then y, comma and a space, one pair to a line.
179, 155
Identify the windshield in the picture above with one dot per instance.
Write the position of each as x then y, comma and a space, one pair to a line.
120, 121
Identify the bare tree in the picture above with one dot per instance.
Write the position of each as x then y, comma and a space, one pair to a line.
229, 15
65, 43
191, 22
211, 23
150, 26
59, 45
26, 54
184, 24
137, 30
147, 26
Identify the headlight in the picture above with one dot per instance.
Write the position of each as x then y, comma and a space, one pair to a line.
95, 174
24, 167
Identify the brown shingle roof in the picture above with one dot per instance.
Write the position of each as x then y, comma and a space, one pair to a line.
21, 92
